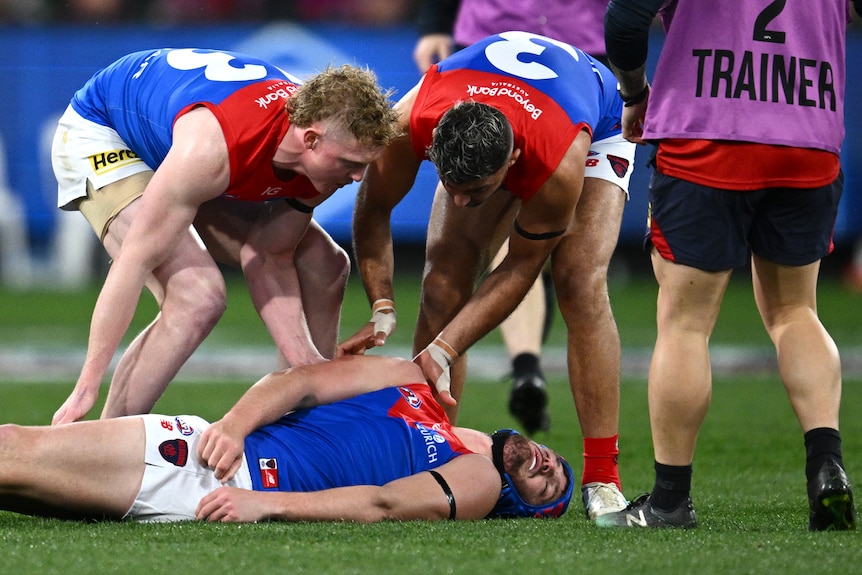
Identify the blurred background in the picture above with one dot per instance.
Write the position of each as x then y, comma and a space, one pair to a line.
49, 48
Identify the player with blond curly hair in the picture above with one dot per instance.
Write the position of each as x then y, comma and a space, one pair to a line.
181, 158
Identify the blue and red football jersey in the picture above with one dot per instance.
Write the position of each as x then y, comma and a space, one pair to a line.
548, 90
370, 439
142, 94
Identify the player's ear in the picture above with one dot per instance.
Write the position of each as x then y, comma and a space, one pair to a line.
516, 153
310, 138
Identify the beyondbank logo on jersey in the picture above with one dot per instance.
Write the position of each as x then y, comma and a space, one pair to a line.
104, 162
506, 90
276, 95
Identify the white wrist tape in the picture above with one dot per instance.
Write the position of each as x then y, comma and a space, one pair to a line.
443, 355
383, 316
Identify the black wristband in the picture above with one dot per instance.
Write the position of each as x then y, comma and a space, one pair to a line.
636, 99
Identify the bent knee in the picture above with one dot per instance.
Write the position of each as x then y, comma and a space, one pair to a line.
322, 259
337, 265
210, 299
443, 294
326, 276
201, 300
582, 291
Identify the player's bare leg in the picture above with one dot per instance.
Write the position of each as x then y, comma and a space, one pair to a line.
579, 266
324, 268
810, 368
190, 293
89, 468
808, 360
680, 376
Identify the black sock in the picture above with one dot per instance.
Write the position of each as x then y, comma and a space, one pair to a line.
525, 364
672, 486
821, 445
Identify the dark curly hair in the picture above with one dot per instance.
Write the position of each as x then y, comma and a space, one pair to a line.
472, 141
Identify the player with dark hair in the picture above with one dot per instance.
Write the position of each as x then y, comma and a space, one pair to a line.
363, 439
524, 131
446, 26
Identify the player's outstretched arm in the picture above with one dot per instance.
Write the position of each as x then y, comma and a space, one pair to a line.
471, 479
387, 180
280, 392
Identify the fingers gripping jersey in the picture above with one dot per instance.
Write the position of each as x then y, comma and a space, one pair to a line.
142, 94
371, 439
548, 90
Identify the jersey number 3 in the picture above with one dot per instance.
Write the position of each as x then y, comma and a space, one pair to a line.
217, 64
504, 54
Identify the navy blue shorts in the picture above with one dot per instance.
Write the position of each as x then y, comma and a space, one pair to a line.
712, 229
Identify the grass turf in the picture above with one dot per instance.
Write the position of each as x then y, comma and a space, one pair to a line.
749, 487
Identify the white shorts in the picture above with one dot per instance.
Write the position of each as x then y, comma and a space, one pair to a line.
174, 479
612, 159
84, 150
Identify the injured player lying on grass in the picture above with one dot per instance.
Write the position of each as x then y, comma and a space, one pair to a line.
359, 438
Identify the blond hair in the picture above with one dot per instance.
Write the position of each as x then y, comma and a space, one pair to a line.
349, 98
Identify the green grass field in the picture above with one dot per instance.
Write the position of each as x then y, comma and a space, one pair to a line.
749, 485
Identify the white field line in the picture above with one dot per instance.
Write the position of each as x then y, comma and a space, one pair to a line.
61, 364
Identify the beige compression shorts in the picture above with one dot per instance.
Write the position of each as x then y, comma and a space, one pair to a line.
95, 170
174, 478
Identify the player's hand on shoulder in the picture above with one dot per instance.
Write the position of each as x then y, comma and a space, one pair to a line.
359, 342
372, 334
435, 362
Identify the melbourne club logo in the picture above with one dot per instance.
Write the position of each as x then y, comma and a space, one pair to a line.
620, 166
175, 451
